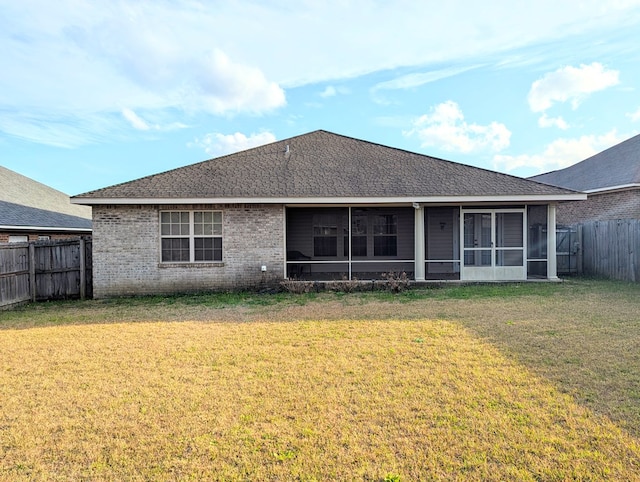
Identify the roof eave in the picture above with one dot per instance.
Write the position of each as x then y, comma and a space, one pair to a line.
622, 187
573, 196
22, 227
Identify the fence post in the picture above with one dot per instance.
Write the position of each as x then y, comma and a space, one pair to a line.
83, 274
32, 271
579, 251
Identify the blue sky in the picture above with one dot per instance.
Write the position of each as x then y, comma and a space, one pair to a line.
94, 93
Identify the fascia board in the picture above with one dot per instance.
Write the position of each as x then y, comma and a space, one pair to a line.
14, 227
577, 196
621, 187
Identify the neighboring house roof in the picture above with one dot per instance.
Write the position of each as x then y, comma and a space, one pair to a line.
320, 167
615, 168
21, 190
17, 216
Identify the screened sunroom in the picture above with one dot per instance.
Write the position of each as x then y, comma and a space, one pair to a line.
474, 243
349, 242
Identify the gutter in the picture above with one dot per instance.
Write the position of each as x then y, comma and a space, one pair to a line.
575, 196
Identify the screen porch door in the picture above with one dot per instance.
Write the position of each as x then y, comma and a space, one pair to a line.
493, 245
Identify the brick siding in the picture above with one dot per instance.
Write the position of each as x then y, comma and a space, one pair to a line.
601, 207
126, 251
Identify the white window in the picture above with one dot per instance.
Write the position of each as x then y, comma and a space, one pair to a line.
18, 238
191, 236
325, 235
385, 235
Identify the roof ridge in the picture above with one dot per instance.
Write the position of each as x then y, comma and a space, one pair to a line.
321, 164
195, 164
456, 163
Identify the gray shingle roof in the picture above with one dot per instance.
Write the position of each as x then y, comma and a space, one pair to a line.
617, 166
18, 189
24, 216
321, 164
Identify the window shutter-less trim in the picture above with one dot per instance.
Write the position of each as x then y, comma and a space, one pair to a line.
190, 236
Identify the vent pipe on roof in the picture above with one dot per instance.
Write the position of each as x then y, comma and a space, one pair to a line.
287, 152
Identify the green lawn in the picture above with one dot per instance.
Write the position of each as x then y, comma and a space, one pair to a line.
487, 382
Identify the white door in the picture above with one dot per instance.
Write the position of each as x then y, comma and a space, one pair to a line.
493, 245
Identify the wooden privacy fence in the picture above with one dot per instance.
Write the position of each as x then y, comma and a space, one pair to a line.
45, 270
611, 249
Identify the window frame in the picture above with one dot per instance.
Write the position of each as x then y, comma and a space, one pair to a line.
360, 225
365, 238
13, 238
325, 242
388, 238
191, 237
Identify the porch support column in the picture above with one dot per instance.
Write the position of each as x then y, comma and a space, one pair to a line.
349, 257
552, 261
284, 242
419, 242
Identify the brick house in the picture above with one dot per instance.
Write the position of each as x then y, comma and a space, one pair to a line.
611, 180
31, 211
319, 206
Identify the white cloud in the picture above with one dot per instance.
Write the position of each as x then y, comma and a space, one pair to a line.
420, 78
82, 59
546, 121
229, 86
634, 116
135, 120
156, 43
570, 84
55, 130
216, 144
559, 154
446, 128
367, 36
140, 124
330, 91
141, 45
413, 80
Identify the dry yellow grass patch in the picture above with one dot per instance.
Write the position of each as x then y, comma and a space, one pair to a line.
300, 400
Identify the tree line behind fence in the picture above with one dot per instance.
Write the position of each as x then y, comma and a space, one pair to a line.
45, 270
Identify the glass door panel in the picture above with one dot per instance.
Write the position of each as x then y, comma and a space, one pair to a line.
477, 239
493, 245
509, 233
509, 238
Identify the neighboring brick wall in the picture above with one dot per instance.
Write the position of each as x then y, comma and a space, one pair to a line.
601, 207
126, 251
